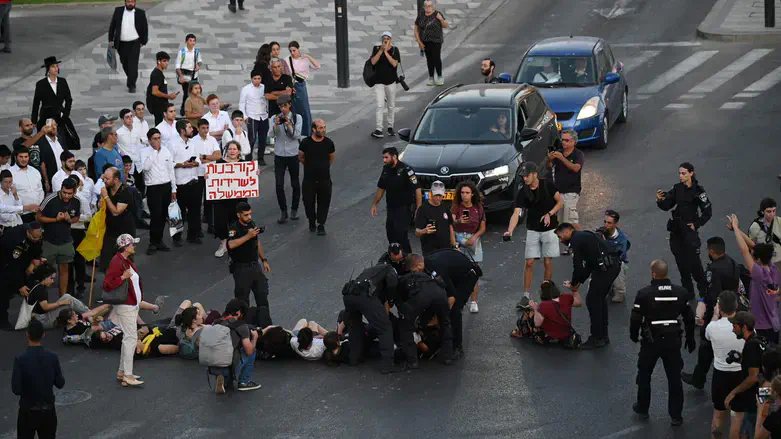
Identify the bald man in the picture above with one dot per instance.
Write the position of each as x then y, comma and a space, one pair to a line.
655, 316
316, 153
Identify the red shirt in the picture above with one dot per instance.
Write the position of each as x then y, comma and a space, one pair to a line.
553, 325
114, 279
476, 216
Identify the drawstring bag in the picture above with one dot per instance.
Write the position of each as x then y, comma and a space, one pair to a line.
175, 223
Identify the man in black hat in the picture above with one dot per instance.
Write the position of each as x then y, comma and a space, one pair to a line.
20, 253
52, 98
127, 32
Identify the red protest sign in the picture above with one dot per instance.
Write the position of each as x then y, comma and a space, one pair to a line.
232, 180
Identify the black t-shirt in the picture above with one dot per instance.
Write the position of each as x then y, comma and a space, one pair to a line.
60, 232
384, 72
114, 344
537, 203
247, 252
751, 358
773, 424
156, 104
78, 329
443, 219
239, 330
124, 222
281, 84
430, 28
400, 184
38, 294
317, 165
568, 182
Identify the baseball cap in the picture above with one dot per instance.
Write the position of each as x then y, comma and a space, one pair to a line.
126, 239
437, 188
105, 118
284, 99
529, 168
743, 318
386, 34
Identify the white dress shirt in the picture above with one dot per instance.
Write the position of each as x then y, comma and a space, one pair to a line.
218, 122
241, 138
182, 153
10, 209
167, 133
88, 191
52, 84
28, 184
141, 127
129, 144
204, 147
159, 168
86, 210
253, 103
128, 31
189, 61
5, 166
56, 149
723, 340
58, 178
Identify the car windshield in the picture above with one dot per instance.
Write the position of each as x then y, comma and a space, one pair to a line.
558, 71
465, 125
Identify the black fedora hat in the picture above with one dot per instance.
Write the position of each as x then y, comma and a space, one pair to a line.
49, 61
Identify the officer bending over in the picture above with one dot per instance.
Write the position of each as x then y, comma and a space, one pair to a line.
244, 249
655, 315
20, 253
394, 257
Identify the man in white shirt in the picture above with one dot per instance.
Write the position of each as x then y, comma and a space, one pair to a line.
237, 121
207, 150
188, 193
253, 103
28, 183
725, 376
5, 157
127, 33
68, 161
167, 127
158, 167
129, 138
218, 119
188, 64
11, 205
139, 110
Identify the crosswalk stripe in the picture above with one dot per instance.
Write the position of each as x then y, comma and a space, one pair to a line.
732, 106
722, 76
766, 82
636, 61
678, 71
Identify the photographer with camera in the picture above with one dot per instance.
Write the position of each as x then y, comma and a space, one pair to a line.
742, 399
386, 59
655, 315
244, 250
567, 164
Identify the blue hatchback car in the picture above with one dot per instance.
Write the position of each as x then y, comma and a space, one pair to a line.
582, 83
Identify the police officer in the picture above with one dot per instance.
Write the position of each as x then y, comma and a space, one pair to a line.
401, 184
20, 253
655, 314
595, 258
722, 273
394, 257
371, 295
419, 292
460, 274
687, 196
244, 249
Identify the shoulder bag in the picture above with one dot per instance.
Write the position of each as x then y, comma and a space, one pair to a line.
297, 77
573, 341
25, 312
117, 296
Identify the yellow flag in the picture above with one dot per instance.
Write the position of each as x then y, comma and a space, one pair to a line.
92, 244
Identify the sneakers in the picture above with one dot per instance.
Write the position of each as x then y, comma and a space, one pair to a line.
473, 307
219, 388
221, 251
440, 81
232, 8
688, 378
524, 303
249, 385
430, 81
377, 134
312, 227
641, 415
321, 230
294, 214
618, 299
391, 132
593, 343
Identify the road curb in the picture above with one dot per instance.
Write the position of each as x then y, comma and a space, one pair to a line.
67, 5
711, 27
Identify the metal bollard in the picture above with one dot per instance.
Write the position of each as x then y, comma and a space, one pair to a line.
770, 13
342, 45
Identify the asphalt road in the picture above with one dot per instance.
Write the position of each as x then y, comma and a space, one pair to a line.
502, 388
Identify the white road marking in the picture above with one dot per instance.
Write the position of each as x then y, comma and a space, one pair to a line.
766, 82
722, 76
743, 95
677, 106
662, 44
691, 96
118, 430
678, 71
642, 97
633, 106
623, 432
619, 9
732, 106
632, 63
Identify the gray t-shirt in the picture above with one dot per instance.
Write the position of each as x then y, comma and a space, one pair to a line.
240, 330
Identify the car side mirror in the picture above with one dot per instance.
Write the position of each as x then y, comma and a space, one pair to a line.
505, 78
528, 134
611, 78
404, 134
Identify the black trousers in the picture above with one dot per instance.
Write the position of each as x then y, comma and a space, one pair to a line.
30, 422
208, 206
397, 227
434, 301
289, 164
317, 199
139, 184
596, 299
27, 217
108, 251
704, 360
188, 196
670, 353
769, 334
358, 306
685, 247
463, 293
6, 294
233, 2
79, 266
185, 93
129, 52
158, 197
138, 201
256, 132
249, 277
433, 53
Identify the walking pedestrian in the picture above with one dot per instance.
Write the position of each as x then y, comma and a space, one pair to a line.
160, 189
157, 95
428, 32
52, 98
400, 183
385, 59
285, 127
36, 371
188, 64
232, 5
316, 153
470, 225
567, 166
127, 32
244, 249
254, 106
188, 190
5, 24
299, 66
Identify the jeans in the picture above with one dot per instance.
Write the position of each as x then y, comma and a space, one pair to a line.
386, 97
246, 366
49, 318
291, 165
126, 316
301, 106
433, 53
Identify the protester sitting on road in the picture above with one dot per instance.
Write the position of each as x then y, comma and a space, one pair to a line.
307, 341
244, 342
191, 323
43, 309
545, 323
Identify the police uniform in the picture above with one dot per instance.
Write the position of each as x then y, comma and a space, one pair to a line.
247, 270
684, 242
655, 314
365, 296
420, 292
16, 254
400, 184
460, 275
397, 265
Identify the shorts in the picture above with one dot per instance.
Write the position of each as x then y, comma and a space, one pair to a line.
745, 402
569, 212
475, 251
541, 244
58, 254
723, 383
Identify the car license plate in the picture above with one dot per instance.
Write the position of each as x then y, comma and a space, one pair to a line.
558, 125
449, 195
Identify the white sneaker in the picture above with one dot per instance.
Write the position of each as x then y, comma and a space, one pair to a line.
430, 81
473, 307
440, 80
220, 251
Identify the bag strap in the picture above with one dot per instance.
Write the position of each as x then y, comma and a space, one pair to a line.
292, 69
556, 305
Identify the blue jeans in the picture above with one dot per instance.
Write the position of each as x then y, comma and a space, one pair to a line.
245, 368
301, 106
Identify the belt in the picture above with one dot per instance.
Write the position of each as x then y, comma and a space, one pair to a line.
664, 322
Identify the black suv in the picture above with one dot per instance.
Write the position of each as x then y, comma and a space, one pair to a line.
481, 133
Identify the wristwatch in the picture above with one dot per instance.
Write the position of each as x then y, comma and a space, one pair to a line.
263, 260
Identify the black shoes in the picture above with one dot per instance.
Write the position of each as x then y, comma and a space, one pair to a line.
642, 415
151, 250
195, 241
676, 422
178, 242
232, 8
321, 230
141, 224
282, 218
312, 227
391, 132
163, 248
412, 366
294, 214
377, 134
593, 343
6, 326
688, 378
131, 89
241, 6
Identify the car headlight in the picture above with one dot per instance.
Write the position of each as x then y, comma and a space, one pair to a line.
589, 109
495, 172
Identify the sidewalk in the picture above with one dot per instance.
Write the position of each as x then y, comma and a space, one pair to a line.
740, 21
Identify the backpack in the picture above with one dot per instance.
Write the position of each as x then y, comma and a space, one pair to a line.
216, 346
187, 349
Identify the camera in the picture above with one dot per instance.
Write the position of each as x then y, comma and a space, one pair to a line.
252, 225
282, 119
733, 356
403, 83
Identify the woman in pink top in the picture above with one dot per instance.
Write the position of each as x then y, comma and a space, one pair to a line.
298, 66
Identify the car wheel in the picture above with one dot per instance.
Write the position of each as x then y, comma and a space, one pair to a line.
624, 116
602, 142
